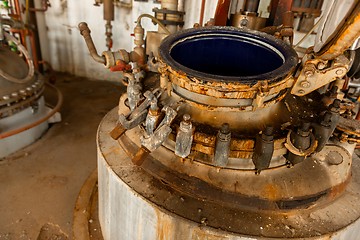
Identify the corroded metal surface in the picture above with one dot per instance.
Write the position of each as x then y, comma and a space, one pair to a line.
346, 36
16, 96
218, 128
155, 209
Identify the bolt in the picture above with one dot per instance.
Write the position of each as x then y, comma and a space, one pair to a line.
309, 73
225, 128
244, 22
301, 91
204, 221
305, 84
321, 65
186, 117
339, 72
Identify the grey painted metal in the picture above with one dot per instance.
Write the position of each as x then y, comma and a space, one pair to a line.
16, 142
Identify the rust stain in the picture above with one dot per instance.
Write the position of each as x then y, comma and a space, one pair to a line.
199, 234
231, 90
239, 148
339, 189
349, 33
164, 228
271, 191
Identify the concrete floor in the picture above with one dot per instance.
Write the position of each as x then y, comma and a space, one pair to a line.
40, 183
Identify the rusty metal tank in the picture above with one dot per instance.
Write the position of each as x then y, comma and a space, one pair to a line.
214, 146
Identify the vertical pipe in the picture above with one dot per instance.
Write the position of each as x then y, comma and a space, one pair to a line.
171, 5
251, 5
108, 16
108, 10
222, 12
202, 10
278, 8
181, 6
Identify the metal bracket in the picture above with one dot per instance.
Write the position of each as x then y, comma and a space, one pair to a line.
159, 136
139, 114
316, 74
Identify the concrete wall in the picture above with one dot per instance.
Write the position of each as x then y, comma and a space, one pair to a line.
64, 48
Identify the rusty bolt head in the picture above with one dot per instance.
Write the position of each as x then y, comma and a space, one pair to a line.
309, 72
339, 72
321, 65
186, 117
305, 84
301, 91
244, 22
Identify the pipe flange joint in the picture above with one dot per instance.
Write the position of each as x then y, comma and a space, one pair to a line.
109, 59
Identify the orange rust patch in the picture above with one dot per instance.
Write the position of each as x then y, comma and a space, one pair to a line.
164, 227
199, 234
271, 192
339, 189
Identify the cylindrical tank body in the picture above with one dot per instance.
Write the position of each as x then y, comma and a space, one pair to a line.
232, 84
21, 103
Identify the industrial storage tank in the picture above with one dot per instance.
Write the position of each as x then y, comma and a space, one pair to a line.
224, 134
24, 116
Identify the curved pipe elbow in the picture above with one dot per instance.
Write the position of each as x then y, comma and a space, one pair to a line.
85, 32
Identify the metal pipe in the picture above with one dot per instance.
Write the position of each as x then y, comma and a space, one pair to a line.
85, 32
202, 10
171, 5
251, 5
346, 36
155, 20
222, 12
45, 4
108, 10
181, 6
40, 121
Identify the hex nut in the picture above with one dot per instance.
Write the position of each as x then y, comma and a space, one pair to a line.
339, 72
305, 84
301, 91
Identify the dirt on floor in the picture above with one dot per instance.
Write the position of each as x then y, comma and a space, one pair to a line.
40, 183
